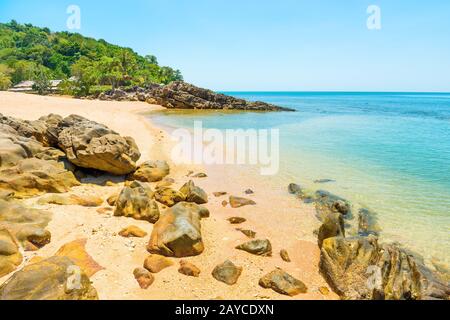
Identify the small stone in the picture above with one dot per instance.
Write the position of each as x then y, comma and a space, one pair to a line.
132, 231
200, 175
236, 220
249, 233
219, 194
143, 277
237, 202
224, 203
249, 191
227, 272
112, 199
257, 247
104, 210
285, 256
324, 290
188, 269
283, 283
155, 263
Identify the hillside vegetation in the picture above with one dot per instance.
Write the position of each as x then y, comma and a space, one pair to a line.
28, 52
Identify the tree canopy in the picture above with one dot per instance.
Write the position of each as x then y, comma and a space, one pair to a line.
28, 52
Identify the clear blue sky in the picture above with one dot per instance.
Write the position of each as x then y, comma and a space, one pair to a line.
271, 45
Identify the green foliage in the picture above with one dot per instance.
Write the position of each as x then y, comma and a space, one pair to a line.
5, 77
42, 83
32, 52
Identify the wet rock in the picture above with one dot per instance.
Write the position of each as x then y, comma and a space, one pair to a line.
236, 220
33, 176
227, 272
219, 194
70, 199
327, 202
10, 256
169, 197
88, 144
237, 202
285, 256
178, 231
188, 269
151, 171
257, 247
294, 188
132, 231
324, 181
333, 226
155, 263
136, 201
283, 283
50, 279
349, 264
144, 278
249, 233
27, 225
367, 223
194, 193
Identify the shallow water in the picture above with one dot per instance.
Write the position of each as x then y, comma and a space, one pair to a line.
389, 152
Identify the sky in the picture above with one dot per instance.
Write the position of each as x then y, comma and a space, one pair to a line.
266, 45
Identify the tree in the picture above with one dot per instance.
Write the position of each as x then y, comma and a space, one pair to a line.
42, 83
111, 71
86, 75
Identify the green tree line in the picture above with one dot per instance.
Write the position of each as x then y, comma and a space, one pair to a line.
28, 52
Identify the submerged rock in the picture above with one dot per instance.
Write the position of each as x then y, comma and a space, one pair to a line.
367, 223
327, 202
193, 193
227, 272
10, 256
283, 283
294, 188
237, 202
257, 247
178, 231
151, 171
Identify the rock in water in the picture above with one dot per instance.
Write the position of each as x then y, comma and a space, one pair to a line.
294, 188
367, 223
193, 193
285, 256
283, 283
155, 263
168, 196
327, 202
27, 225
135, 201
227, 272
257, 247
71, 199
188, 269
178, 232
333, 226
151, 171
56, 278
132, 231
143, 277
10, 256
237, 202
33, 176
350, 264
88, 144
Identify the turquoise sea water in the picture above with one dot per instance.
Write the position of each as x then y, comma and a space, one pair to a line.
389, 152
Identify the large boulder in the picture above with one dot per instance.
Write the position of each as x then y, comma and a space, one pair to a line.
136, 201
89, 144
10, 256
178, 232
34, 176
151, 171
30, 129
359, 268
56, 278
27, 225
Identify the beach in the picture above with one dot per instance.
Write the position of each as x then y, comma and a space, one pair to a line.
287, 222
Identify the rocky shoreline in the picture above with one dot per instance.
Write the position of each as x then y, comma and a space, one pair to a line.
182, 95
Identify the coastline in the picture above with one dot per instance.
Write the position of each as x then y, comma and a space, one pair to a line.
294, 221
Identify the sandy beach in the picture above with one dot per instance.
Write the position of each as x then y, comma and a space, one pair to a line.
277, 216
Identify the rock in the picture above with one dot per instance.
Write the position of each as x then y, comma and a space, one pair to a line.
76, 252
166, 182
151, 171
200, 175
285, 256
283, 283
178, 232
224, 203
359, 268
168, 196
327, 202
294, 188
10, 256
70, 199
132, 231
112, 199
181, 95
324, 290
193, 193
333, 226
237, 202
188, 269
236, 220
249, 233
143, 277
249, 191
367, 223
56, 278
155, 263
257, 247
27, 225
219, 194
135, 201
227, 272
104, 210
88, 144
33, 176
28, 129
324, 181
